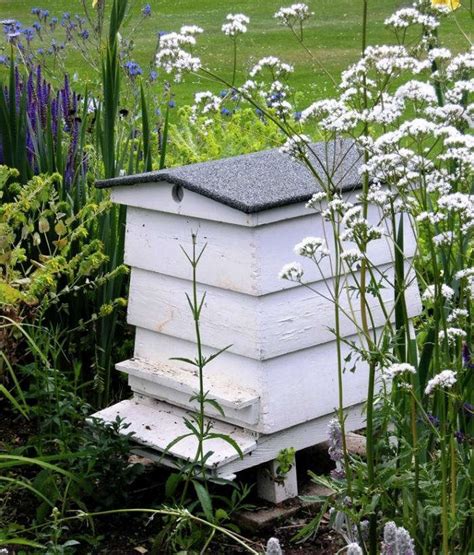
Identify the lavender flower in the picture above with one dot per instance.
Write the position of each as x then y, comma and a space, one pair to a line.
354, 549
273, 547
396, 541
335, 440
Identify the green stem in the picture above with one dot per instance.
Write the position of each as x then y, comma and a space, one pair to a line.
444, 478
201, 365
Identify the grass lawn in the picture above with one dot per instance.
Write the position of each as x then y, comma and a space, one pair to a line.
333, 35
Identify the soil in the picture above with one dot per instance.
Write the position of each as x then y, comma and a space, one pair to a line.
131, 535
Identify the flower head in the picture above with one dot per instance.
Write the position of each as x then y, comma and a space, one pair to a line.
312, 247
444, 380
236, 24
354, 549
291, 272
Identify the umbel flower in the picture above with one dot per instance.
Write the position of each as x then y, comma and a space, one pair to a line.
444, 380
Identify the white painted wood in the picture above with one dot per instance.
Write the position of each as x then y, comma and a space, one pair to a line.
256, 327
169, 382
276, 491
158, 196
156, 424
264, 447
293, 388
158, 347
241, 259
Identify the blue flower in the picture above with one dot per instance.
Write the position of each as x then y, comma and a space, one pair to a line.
153, 75
66, 15
35, 11
40, 51
224, 93
297, 116
13, 36
225, 112
171, 103
37, 26
44, 14
133, 69
434, 420
146, 10
3, 60
84, 34
29, 34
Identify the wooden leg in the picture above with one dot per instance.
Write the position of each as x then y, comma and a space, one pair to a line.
276, 491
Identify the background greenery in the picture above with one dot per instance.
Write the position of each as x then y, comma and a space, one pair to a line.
333, 35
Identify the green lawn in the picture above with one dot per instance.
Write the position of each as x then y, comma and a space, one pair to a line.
333, 34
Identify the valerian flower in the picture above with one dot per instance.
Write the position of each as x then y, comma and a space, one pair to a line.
296, 13
236, 24
400, 368
429, 292
444, 380
312, 247
296, 146
292, 272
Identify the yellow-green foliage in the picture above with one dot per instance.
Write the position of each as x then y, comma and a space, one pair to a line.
219, 137
45, 249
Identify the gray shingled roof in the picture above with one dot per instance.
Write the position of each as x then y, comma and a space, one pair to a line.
262, 180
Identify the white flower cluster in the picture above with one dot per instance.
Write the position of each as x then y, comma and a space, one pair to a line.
406, 17
351, 257
312, 247
444, 239
467, 276
400, 368
171, 56
336, 209
316, 200
452, 334
332, 114
274, 65
429, 293
296, 146
236, 24
462, 64
456, 315
205, 103
444, 380
292, 272
296, 13
275, 98
358, 228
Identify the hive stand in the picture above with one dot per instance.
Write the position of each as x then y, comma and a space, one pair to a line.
277, 383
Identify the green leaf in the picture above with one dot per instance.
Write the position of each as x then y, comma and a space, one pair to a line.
204, 500
229, 440
172, 483
216, 405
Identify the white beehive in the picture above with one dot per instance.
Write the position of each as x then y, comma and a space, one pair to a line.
277, 383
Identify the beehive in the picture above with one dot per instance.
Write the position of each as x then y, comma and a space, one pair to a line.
277, 383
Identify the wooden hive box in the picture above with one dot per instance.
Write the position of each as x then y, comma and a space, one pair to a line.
277, 383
